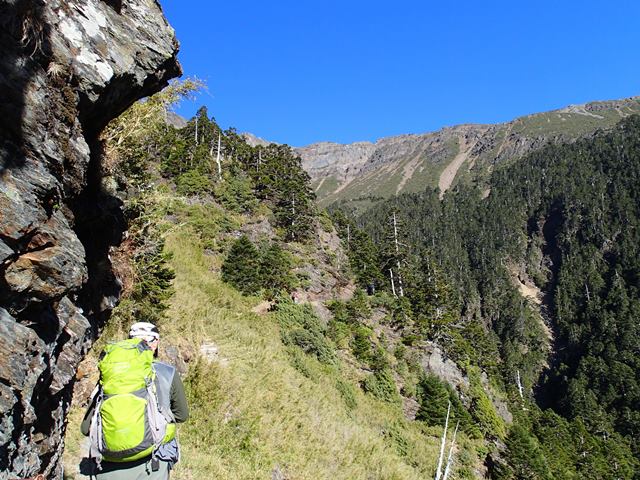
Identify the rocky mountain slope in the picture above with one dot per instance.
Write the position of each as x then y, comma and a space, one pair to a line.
67, 69
363, 171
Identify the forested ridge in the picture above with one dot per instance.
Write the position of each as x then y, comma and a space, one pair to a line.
565, 221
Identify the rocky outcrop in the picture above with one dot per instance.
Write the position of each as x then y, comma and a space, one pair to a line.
342, 161
254, 141
68, 67
434, 361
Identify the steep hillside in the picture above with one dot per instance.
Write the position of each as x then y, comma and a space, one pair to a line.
363, 172
265, 403
291, 372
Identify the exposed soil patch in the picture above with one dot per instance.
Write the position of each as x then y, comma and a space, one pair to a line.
449, 173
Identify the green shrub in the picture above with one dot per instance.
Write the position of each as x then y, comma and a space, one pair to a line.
301, 327
525, 459
483, 411
347, 393
409, 339
400, 351
380, 384
361, 343
252, 271
151, 275
379, 359
193, 183
310, 342
301, 363
235, 192
358, 307
291, 315
434, 396
340, 333
275, 271
208, 221
394, 435
339, 311
325, 221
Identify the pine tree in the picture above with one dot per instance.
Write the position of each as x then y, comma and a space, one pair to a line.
434, 400
275, 267
526, 459
241, 268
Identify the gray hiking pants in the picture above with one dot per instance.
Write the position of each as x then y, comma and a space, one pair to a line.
140, 471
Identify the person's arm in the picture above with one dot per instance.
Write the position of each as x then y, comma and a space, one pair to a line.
179, 406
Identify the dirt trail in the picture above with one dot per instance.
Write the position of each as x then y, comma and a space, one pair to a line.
449, 173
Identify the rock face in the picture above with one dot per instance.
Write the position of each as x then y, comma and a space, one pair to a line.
68, 67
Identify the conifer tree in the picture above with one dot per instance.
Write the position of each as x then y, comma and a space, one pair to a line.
526, 459
434, 401
275, 266
241, 268
432, 300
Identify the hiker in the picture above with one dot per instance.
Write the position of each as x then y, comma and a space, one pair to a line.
129, 403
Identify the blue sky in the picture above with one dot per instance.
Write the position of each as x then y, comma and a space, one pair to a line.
308, 71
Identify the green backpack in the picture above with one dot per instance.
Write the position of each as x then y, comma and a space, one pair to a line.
126, 424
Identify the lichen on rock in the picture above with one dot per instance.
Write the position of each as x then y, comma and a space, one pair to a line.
67, 69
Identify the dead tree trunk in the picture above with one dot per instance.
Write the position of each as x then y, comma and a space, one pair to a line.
293, 217
447, 469
218, 160
519, 382
393, 285
442, 444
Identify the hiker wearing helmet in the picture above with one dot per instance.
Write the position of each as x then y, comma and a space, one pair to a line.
131, 421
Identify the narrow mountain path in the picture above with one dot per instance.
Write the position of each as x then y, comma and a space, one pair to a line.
449, 173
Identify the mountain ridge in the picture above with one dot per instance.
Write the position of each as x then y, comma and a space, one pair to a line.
364, 171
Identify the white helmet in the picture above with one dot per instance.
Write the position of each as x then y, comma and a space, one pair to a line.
144, 330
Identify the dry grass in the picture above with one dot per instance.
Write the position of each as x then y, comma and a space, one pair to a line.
264, 414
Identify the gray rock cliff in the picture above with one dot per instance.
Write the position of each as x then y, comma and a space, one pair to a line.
67, 68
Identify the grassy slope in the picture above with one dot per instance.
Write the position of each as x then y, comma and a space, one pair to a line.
254, 412
259, 412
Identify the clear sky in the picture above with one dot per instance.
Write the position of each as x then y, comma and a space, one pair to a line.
299, 72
